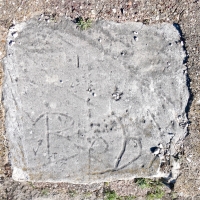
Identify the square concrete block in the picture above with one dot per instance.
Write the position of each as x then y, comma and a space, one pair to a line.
98, 105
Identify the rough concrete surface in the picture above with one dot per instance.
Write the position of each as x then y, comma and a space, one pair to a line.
101, 105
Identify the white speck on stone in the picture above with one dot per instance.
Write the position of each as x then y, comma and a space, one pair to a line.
157, 151
53, 105
17, 172
114, 10
93, 12
15, 34
188, 159
182, 43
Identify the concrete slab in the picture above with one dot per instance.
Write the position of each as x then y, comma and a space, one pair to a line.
96, 105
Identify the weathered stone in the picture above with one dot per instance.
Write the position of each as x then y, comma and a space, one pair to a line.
96, 105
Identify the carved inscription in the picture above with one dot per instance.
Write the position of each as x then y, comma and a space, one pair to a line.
99, 146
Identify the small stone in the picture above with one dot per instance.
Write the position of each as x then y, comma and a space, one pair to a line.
198, 103
188, 159
157, 151
114, 10
129, 3
46, 17
182, 43
93, 13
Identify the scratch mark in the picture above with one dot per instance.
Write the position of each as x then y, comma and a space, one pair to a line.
38, 119
66, 159
77, 61
47, 134
154, 120
121, 154
39, 144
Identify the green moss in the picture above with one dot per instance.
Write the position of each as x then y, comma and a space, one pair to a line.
45, 192
87, 194
111, 195
156, 193
72, 193
31, 184
174, 195
155, 188
84, 24
143, 182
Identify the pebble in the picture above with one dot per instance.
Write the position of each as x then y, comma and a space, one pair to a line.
198, 103
46, 17
182, 43
114, 10
93, 13
129, 3
157, 151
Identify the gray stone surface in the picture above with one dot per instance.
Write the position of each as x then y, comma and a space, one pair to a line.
97, 105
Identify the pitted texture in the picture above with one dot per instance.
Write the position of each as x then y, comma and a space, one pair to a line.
96, 105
